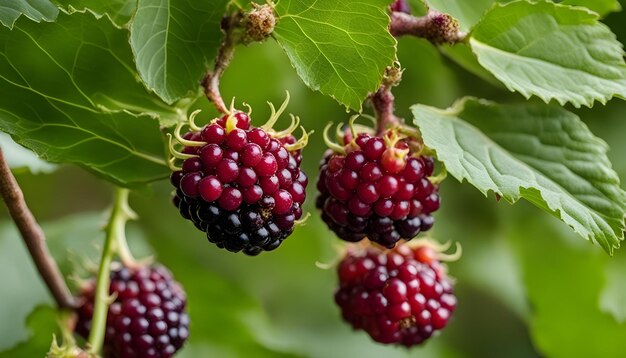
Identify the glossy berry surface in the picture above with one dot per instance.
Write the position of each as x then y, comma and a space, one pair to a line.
245, 188
377, 190
148, 318
393, 295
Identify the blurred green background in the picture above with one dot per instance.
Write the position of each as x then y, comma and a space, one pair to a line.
527, 286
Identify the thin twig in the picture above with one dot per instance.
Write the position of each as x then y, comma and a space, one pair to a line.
211, 81
33, 237
436, 27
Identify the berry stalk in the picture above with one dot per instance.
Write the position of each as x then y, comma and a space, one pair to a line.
383, 103
115, 234
33, 237
383, 100
225, 54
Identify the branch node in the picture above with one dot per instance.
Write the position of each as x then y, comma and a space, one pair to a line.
435, 26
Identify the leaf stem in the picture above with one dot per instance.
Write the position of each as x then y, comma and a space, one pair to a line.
115, 233
33, 237
435, 26
225, 54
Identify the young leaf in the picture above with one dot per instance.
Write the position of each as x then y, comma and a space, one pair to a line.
174, 41
119, 11
551, 51
36, 10
543, 154
64, 87
602, 7
340, 48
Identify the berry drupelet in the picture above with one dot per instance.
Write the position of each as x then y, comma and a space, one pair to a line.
148, 318
400, 296
377, 187
241, 185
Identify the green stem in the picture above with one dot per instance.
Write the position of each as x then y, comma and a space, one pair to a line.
115, 232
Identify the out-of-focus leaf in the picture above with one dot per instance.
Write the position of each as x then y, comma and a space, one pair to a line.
22, 289
602, 7
613, 299
551, 51
564, 279
340, 48
174, 41
42, 324
19, 157
541, 153
36, 10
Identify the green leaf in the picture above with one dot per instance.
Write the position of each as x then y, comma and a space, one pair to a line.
463, 56
66, 84
118, 11
174, 41
563, 281
543, 154
552, 51
602, 7
36, 10
340, 48
42, 324
19, 157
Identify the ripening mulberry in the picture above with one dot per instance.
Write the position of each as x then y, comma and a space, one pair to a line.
400, 296
377, 187
241, 185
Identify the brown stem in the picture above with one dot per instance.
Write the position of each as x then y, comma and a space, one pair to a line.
436, 27
383, 100
33, 236
383, 103
211, 81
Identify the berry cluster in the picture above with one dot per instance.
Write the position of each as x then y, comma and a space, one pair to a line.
241, 185
400, 296
377, 187
148, 317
